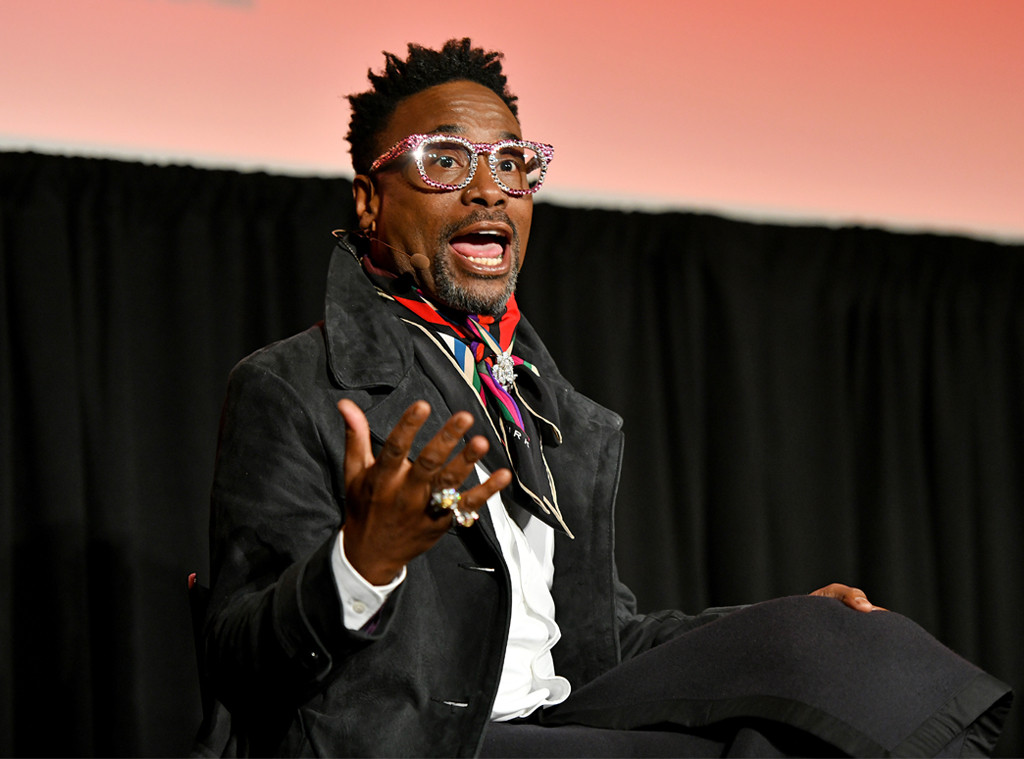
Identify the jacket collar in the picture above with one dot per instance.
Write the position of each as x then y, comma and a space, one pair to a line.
365, 346
368, 347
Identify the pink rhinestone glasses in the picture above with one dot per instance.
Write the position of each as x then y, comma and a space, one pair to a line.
448, 162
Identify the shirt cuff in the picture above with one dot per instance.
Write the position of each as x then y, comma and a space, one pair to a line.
359, 599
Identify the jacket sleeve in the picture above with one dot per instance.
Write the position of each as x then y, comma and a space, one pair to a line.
274, 627
641, 632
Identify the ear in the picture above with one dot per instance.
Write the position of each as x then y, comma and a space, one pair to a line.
367, 201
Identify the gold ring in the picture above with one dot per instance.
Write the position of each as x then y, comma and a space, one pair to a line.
448, 499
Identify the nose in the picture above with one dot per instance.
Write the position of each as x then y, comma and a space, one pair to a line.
483, 190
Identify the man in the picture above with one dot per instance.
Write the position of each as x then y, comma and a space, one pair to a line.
412, 511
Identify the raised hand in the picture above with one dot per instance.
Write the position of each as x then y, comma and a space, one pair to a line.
388, 516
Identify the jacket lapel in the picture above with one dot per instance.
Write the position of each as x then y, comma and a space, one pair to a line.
367, 347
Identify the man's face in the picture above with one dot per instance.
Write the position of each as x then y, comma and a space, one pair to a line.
474, 238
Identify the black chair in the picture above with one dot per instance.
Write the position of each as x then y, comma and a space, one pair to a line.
214, 738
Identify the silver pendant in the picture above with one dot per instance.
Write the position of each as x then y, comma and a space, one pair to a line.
504, 370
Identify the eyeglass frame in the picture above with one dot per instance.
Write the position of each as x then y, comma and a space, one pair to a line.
415, 142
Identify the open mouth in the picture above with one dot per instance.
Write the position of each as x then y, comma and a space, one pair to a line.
483, 248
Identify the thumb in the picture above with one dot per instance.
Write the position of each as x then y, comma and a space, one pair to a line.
358, 453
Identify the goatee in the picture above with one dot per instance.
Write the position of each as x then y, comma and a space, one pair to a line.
461, 298
454, 295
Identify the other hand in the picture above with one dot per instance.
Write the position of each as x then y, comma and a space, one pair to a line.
388, 519
855, 598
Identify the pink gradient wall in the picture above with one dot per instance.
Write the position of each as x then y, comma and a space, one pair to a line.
903, 113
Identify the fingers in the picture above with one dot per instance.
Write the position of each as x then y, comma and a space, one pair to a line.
395, 450
431, 460
497, 481
434, 466
465, 507
358, 451
358, 454
389, 517
855, 598
465, 510
399, 442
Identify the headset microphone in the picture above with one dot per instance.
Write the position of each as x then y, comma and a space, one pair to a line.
418, 260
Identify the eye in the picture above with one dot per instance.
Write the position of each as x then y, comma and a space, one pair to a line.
511, 161
446, 163
446, 156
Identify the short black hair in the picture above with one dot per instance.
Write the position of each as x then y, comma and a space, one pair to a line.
458, 60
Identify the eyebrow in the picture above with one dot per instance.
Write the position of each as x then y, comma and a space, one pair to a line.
456, 129
447, 129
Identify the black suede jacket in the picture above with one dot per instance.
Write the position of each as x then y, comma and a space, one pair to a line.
296, 681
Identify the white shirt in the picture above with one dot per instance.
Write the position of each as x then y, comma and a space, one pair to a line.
528, 680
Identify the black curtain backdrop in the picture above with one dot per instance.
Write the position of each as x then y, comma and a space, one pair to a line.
802, 405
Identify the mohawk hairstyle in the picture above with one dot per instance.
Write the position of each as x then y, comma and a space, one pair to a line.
424, 68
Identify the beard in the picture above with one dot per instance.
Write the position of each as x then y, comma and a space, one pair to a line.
466, 299
462, 298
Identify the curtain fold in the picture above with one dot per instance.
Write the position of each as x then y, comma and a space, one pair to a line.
802, 405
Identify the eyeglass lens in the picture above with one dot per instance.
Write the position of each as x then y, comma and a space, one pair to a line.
517, 167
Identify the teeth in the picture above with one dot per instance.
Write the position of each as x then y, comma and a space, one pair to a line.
485, 261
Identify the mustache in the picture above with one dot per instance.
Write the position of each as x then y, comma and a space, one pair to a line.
448, 231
